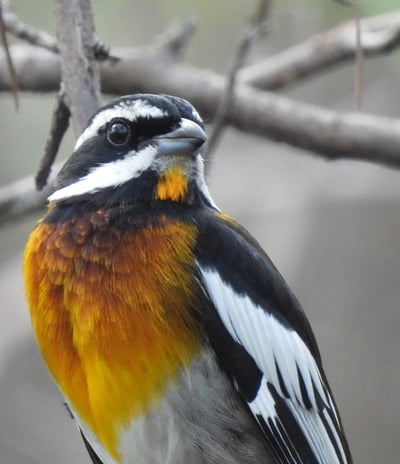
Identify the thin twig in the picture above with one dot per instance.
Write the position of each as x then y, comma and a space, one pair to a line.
256, 27
102, 53
58, 127
359, 71
177, 37
10, 65
359, 55
43, 39
20, 30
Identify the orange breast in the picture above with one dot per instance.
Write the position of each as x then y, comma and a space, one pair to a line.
110, 310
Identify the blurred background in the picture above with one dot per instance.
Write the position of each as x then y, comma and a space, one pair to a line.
332, 228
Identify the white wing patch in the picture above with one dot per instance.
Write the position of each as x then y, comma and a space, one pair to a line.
266, 340
274, 346
127, 109
110, 174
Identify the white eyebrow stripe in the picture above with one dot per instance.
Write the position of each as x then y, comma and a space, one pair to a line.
130, 110
111, 174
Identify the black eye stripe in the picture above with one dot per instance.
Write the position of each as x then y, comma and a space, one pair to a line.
140, 129
145, 128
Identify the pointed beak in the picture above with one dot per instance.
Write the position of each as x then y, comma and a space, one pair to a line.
184, 141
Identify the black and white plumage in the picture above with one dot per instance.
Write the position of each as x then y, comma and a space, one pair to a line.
257, 391
272, 357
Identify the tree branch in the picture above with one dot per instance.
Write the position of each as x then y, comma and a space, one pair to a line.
76, 41
339, 135
379, 35
21, 198
27, 33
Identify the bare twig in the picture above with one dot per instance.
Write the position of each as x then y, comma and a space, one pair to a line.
262, 12
76, 41
59, 125
43, 39
175, 40
380, 35
359, 73
27, 33
101, 52
13, 75
359, 55
256, 26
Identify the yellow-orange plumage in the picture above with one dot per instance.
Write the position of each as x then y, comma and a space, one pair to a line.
110, 312
172, 185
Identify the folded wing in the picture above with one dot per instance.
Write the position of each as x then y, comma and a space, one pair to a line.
254, 310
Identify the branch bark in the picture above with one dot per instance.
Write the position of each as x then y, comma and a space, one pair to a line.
76, 41
27, 33
379, 35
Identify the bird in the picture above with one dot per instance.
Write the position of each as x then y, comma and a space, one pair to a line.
170, 333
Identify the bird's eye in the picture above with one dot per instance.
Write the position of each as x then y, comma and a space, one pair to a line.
118, 133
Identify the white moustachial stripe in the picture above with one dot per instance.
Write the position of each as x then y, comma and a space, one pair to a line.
110, 174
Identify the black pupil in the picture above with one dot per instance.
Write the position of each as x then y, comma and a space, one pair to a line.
118, 133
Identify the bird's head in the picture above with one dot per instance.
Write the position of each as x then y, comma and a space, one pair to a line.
139, 148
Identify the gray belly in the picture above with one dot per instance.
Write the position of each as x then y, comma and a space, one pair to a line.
200, 421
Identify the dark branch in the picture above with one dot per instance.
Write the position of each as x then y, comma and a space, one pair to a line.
254, 29
102, 53
58, 128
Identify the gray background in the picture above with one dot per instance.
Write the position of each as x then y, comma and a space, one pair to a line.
332, 228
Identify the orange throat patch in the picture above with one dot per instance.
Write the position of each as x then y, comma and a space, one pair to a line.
172, 185
110, 310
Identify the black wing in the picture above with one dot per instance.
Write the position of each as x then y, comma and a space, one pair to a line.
265, 344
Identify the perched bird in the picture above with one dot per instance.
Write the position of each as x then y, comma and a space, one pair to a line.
168, 330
